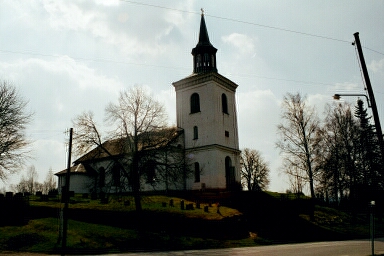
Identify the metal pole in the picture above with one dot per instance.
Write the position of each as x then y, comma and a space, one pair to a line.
65, 193
371, 95
373, 227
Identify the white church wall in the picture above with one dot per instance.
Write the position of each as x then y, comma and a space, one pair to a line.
79, 183
212, 165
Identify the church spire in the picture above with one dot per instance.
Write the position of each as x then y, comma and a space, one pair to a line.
204, 54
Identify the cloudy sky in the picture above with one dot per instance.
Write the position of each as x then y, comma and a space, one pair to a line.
66, 57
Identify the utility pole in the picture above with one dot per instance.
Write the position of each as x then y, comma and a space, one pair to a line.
371, 96
65, 194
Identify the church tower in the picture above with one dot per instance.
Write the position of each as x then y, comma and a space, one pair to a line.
206, 110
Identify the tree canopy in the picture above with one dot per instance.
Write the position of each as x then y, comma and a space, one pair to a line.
14, 119
136, 125
254, 170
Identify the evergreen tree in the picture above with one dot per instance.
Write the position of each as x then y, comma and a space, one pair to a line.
370, 161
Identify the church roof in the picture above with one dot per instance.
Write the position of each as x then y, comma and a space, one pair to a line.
78, 169
196, 79
204, 54
204, 45
203, 34
122, 146
106, 149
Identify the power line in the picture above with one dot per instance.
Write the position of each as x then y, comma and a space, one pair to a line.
373, 50
239, 21
278, 28
89, 59
181, 68
159, 66
228, 19
282, 79
159, 6
248, 23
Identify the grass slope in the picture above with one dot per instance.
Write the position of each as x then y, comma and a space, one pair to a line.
93, 230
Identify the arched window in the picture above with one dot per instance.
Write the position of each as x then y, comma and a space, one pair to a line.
195, 132
229, 173
206, 59
198, 63
224, 103
195, 103
197, 172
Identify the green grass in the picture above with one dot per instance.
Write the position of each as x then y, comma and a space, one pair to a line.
37, 236
151, 203
289, 196
344, 223
41, 236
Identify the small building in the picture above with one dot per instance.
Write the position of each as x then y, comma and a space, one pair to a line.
106, 168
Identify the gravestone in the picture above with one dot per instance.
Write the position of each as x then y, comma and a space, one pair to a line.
8, 194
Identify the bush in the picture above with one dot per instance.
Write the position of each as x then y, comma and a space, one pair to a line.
53, 192
15, 211
23, 241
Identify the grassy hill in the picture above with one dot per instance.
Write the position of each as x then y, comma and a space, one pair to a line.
243, 220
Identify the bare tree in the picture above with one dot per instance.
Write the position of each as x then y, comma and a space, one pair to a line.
49, 183
254, 170
86, 135
139, 124
297, 179
340, 157
298, 141
21, 187
31, 179
13, 121
29, 182
136, 114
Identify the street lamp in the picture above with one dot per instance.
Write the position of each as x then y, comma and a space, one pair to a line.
372, 203
372, 226
375, 118
338, 96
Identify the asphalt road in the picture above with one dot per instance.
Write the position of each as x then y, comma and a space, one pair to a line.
339, 248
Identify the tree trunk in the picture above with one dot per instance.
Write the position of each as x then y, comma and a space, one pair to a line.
136, 182
313, 199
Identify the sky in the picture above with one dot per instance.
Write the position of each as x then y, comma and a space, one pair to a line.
67, 57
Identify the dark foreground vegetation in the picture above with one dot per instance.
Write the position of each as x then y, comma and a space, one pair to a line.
243, 219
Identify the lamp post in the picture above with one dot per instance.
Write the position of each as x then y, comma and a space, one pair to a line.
372, 204
338, 96
376, 119
370, 93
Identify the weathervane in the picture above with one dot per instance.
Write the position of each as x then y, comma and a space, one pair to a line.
202, 11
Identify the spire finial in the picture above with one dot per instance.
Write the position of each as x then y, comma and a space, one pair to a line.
202, 11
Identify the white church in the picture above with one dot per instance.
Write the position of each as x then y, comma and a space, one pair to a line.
207, 118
